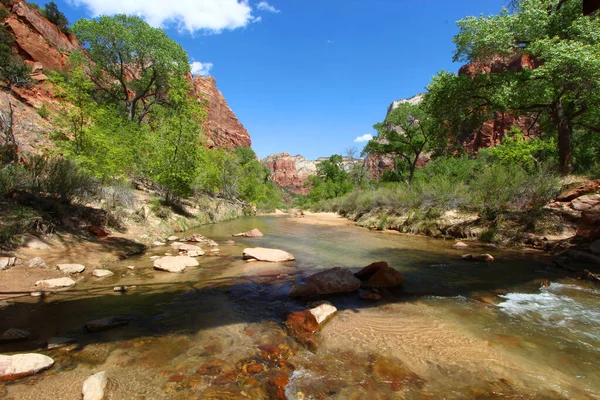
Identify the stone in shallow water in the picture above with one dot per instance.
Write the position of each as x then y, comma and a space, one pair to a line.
94, 387
175, 263
104, 324
14, 334
102, 273
21, 365
56, 283
334, 280
191, 250
323, 312
59, 342
459, 245
172, 238
71, 268
269, 255
253, 233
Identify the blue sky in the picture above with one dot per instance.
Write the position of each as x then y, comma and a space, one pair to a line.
307, 76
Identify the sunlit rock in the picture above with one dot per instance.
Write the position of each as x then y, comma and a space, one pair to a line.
269, 255
379, 274
56, 283
190, 250
37, 262
102, 273
175, 263
334, 280
22, 365
94, 386
255, 233
71, 268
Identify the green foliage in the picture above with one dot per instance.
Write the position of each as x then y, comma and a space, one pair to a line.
331, 180
134, 63
54, 15
43, 111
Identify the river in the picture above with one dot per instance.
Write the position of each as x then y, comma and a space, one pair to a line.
216, 331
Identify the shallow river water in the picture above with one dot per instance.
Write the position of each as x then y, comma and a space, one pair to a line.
216, 331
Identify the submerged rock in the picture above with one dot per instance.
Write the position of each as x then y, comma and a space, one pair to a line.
175, 263
102, 273
191, 250
14, 334
104, 324
172, 238
478, 257
94, 386
71, 268
56, 283
379, 274
269, 255
255, 233
22, 365
368, 295
334, 280
302, 326
59, 342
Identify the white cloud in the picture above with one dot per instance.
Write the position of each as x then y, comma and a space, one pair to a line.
264, 6
364, 138
190, 15
199, 68
329, 41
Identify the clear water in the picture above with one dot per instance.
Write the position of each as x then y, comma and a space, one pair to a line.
216, 331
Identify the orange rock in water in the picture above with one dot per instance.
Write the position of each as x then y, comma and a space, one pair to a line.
302, 326
277, 384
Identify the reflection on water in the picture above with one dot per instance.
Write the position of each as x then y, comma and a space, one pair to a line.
216, 330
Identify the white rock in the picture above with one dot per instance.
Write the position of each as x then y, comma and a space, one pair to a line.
459, 245
71, 268
94, 386
323, 312
37, 262
157, 244
56, 283
131, 267
264, 254
175, 263
176, 244
14, 334
102, 273
172, 238
36, 294
191, 250
21, 365
36, 244
154, 257
7, 262
59, 342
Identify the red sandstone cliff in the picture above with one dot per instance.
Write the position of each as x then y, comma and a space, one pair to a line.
290, 172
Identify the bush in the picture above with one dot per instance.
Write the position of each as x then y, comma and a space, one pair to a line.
118, 195
43, 111
54, 15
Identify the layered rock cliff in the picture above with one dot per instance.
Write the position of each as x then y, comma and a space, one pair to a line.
44, 47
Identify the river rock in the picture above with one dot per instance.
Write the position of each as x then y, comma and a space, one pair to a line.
323, 312
254, 233
158, 244
302, 325
14, 334
175, 263
131, 267
334, 280
483, 257
7, 262
172, 238
21, 365
379, 274
59, 342
94, 386
191, 250
269, 255
56, 283
229, 242
459, 245
37, 262
71, 268
102, 273
104, 324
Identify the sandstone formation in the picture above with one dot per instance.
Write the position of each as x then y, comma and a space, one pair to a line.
222, 127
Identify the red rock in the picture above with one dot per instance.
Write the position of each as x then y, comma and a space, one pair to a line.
277, 384
211, 367
334, 280
302, 326
367, 272
222, 127
252, 233
98, 231
379, 274
572, 194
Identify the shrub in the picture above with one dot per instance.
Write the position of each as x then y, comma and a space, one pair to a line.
43, 111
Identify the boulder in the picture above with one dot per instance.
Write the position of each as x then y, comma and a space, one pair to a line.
37, 262
14, 334
191, 250
104, 324
334, 280
586, 203
94, 386
7, 262
59, 342
56, 283
269, 255
379, 274
71, 268
323, 312
102, 273
175, 263
255, 233
459, 245
21, 365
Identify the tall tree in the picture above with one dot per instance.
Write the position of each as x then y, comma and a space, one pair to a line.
133, 62
562, 89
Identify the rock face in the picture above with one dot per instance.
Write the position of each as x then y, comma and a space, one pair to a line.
334, 280
269, 255
175, 263
21, 365
94, 386
223, 128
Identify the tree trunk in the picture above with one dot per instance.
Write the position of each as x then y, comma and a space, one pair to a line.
565, 136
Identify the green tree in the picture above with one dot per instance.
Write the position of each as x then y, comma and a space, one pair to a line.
562, 91
330, 181
133, 62
407, 132
54, 15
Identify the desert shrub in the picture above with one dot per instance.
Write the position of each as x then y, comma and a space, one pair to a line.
118, 195
13, 177
43, 111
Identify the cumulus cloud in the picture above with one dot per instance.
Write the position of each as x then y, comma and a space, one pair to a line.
264, 6
199, 68
191, 15
364, 138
